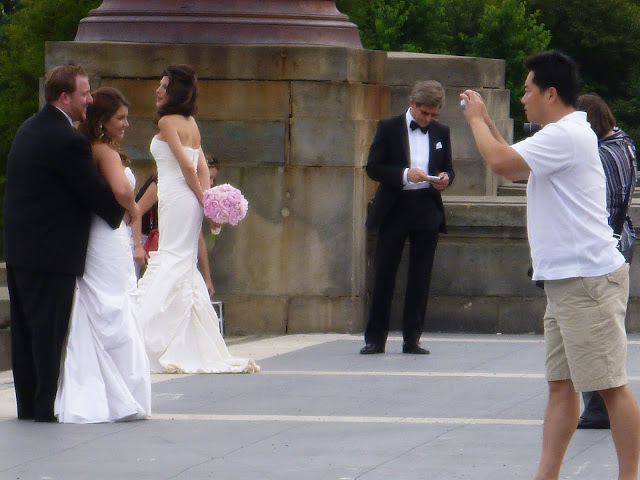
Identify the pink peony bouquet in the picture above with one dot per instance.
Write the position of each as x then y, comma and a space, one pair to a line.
225, 204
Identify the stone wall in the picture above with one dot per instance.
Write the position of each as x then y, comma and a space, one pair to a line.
291, 126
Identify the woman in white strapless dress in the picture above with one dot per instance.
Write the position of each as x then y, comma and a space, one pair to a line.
105, 371
174, 309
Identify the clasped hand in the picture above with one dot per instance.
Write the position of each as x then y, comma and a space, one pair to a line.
416, 175
131, 215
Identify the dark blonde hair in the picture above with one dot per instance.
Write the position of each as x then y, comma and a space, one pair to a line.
599, 114
61, 80
106, 102
182, 91
428, 93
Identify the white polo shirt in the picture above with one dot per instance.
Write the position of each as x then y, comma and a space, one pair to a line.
566, 202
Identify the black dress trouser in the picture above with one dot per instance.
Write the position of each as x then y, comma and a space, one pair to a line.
414, 216
40, 309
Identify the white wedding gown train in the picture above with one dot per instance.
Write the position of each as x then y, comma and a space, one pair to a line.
105, 371
180, 326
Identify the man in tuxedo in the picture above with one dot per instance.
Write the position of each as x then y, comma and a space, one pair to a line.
411, 158
52, 188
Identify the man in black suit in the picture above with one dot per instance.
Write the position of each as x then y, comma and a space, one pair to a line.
411, 158
52, 188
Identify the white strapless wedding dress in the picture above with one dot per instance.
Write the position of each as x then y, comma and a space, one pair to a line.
105, 371
173, 307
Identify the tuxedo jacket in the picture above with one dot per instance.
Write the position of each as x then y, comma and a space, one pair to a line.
52, 188
389, 156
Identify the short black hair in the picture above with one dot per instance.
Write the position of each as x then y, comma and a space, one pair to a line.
557, 70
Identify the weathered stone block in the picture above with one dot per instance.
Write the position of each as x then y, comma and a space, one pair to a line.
407, 68
522, 314
222, 62
259, 142
293, 240
253, 314
5, 349
462, 314
339, 101
243, 142
223, 99
497, 216
326, 314
471, 177
5, 310
319, 142
140, 93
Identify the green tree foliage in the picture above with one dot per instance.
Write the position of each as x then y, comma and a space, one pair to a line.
603, 37
506, 30
404, 25
22, 49
481, 28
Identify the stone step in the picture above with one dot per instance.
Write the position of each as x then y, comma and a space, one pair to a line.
5, 334
5, 349
514, 190
520, 189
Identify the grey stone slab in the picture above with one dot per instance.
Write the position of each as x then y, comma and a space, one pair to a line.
342, 100
406, 68
238, 142
326, 314
247, 314
232, 62
5, 349
319, 142
245, 142
304, 247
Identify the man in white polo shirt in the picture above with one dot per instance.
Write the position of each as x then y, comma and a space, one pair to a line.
574, 252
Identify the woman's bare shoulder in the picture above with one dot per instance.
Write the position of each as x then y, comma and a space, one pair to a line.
102, 151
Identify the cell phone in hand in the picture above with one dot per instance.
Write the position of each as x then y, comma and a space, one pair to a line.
431, 178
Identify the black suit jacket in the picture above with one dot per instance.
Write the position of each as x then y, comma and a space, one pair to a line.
389, 155
52, 188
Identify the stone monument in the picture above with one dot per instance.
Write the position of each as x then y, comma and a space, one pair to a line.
289, 102
235, 22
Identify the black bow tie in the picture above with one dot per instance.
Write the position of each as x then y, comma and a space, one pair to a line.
413, 125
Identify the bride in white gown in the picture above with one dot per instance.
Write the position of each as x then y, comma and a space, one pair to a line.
105, 371
174, 309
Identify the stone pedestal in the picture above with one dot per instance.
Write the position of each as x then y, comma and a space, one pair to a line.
291, 126
232, 22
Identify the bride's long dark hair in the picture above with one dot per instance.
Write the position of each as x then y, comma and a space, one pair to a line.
182, 91
106, 102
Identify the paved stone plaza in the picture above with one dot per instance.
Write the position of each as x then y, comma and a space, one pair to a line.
471, 410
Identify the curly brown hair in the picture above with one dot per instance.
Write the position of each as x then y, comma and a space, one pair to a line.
106, 102
182, 91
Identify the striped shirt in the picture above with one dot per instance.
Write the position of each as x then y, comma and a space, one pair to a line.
618, 156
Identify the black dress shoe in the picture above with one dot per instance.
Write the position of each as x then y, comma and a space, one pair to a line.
371, 348
414, 348
46, 419
585, 424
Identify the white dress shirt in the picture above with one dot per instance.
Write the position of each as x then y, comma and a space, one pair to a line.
418, 153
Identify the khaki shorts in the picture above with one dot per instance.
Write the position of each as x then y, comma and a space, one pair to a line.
584, 331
